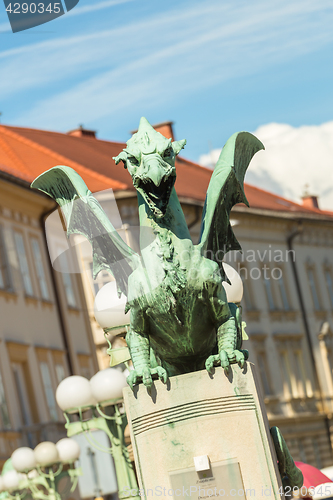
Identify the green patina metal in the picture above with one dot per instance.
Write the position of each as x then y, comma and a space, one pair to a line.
180, 318
44, 485
114, 426
290, 474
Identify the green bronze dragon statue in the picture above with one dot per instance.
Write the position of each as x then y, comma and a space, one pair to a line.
180, 317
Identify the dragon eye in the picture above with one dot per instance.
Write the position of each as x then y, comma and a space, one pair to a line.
133, 160
167, 153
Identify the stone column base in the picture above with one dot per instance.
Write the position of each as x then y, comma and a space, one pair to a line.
203, 436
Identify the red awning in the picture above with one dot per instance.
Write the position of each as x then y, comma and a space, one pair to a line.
312, 476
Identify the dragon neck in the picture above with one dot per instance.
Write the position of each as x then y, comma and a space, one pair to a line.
164, 243
173, 221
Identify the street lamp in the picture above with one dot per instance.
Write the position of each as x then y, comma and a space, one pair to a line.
41, 469
10, 481
102, 395
109, 309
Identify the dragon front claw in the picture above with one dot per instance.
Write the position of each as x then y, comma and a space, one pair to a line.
212, 361
226, 358
146, 376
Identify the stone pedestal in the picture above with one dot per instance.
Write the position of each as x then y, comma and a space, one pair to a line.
203, 436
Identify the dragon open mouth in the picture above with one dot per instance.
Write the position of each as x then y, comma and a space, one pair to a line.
157, 197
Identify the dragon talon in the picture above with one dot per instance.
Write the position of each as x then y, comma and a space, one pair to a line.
147, 378
131, 379
224, 359
162, 374
209, 364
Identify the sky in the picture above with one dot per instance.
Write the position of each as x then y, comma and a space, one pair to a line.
296, 161
212, 67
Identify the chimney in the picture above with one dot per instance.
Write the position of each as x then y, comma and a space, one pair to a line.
164, 128
82, 132
309, 200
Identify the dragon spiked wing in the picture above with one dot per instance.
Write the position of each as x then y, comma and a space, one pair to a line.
84, 215
226, 189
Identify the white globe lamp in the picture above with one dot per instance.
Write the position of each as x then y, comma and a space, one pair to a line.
68, 450
74, 392
46, 453
11, 480
23, 459
109, 310
235, 290
108, 385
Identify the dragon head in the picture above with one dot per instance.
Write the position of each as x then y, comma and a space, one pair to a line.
150, 159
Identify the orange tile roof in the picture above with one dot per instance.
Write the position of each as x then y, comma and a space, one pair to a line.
259, 198
26, 153
27, 157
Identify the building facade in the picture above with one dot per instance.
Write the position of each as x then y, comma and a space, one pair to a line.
45, 333
286, 268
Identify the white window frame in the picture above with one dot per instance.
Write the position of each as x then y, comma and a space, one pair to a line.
329, 283
264, 372
269, 293
283, 292
313, 288
5, 276
39, 266
60, 372
4, 413
48, 390
23, 263
67, 278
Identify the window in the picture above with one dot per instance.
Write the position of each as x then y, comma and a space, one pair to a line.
60, 372
283, 292
22, 393
329, 283
313, 288
66, 278
40, 269
302, 384
49, 391
302, 453
317, 454
23, 263
296, 383
5, 281
264, 373
286, 372
86, 369
247, 290
5, 421
269, 292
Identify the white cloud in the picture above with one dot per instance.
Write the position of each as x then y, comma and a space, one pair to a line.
293, 157
181, 50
